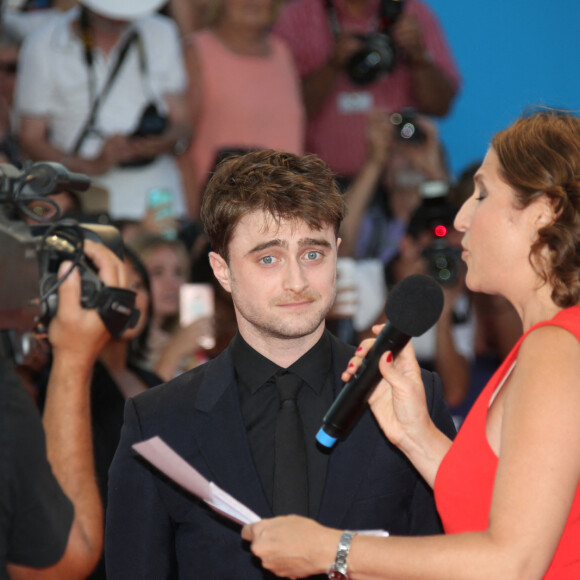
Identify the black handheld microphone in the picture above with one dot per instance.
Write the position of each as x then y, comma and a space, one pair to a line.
413, 306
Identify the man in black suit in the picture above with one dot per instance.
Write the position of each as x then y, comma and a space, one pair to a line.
273, 220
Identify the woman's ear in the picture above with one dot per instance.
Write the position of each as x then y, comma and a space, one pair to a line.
221, 270
546, 214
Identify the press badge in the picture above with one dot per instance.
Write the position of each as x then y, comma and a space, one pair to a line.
358, 102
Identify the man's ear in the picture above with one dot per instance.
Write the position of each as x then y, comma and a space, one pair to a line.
221, 270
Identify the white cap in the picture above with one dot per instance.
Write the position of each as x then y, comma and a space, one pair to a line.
123, 9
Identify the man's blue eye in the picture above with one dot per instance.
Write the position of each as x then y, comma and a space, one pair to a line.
267, 259
313, 255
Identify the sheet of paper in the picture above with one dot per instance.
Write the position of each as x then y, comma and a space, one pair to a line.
164, 458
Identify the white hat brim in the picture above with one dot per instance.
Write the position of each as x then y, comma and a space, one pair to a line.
123, 9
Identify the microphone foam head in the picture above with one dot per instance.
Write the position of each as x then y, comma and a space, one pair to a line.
415, 304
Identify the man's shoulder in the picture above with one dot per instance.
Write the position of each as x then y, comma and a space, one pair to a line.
186, 385
54, 33
340, 347
418, 7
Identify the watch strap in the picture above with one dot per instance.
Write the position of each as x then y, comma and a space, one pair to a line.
338, 571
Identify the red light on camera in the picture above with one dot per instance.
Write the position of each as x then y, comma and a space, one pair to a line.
440, 231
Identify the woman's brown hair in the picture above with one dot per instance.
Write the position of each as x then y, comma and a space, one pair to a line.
540, 154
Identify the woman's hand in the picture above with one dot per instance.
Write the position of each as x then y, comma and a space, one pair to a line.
190, 338
185, 341
398, 402
400, 407
293, 546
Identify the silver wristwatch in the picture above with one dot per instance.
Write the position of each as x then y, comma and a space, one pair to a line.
338, 571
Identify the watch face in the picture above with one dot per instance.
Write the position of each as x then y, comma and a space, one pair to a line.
336, 575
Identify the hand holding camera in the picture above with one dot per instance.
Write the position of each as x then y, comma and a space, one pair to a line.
115, 150
30, 299
345, 46
380, 138
419, 135
146, 142
77, 330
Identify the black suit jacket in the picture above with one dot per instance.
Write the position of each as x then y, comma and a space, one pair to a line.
155, 530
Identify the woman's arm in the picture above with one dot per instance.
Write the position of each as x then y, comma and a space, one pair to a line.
534, 427
361, 190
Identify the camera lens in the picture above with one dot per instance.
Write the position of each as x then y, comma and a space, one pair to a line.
407, 129
375, 59
364, 67
396, 118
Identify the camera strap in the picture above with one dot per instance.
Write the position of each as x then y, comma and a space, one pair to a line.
97, 100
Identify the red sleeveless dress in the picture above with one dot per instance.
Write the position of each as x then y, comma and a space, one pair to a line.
464, 483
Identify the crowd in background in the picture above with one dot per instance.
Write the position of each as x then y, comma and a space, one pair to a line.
231, 76
147, 109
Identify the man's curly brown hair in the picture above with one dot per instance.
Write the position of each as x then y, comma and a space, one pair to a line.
285, 186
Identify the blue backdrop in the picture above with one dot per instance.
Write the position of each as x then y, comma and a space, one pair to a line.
511, 55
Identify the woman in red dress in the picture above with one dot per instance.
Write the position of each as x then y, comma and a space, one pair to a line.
507, 488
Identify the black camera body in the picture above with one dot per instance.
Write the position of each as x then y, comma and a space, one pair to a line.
375, 59
379, 54
152, 122
435, 215
442, 261
57, 244
30, 256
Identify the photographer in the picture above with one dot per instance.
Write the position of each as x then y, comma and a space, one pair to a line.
101, 90
51, 517
416, 69
389, 230
432, 246
386, 191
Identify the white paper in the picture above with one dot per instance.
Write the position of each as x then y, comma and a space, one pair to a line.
159, 454
164, 458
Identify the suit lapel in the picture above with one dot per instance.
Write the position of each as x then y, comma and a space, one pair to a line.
218, 428
221, 437
349, 459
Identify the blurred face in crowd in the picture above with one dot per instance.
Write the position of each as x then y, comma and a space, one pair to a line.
249, 13
136, 283
108, 25
282, 278
167, 273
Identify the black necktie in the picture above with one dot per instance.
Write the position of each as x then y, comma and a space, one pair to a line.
290, 467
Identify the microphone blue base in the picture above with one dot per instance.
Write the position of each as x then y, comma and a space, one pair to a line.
325, 439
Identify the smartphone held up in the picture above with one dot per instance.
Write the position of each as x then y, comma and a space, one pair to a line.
197, 301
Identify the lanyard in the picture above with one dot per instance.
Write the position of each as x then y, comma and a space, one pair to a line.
96, 99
